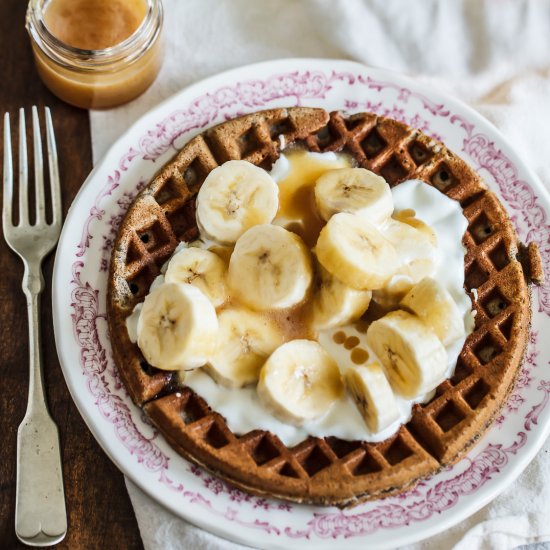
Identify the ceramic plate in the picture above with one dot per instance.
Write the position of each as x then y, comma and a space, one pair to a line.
80, 281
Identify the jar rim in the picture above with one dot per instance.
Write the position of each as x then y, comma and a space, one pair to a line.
129, 50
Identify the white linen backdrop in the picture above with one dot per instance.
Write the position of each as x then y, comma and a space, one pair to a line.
493, 54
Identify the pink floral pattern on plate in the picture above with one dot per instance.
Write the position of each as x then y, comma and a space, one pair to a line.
357, 90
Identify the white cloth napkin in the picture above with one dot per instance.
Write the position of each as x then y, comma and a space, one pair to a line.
495, 55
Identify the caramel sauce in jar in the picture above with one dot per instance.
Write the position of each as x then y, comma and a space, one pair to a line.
96, 53
94, 24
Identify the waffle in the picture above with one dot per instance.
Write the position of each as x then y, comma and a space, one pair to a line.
329, 470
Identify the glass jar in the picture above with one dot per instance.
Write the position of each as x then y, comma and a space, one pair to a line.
97, 79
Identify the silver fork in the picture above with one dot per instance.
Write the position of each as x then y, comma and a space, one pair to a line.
40, 515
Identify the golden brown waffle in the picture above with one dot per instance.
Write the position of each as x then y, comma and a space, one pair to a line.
329, 470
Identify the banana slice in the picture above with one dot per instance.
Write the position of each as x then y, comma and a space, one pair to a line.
415, 249
408, 216
223, 251
356, 191
435, 306
270, 268
416, 246
245, 340
414, 358
299, 382
373, 396
355, 252
234, 197
177, 327
335, 303
200, 268
394, 291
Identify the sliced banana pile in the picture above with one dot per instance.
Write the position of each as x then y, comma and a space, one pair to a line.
223, 297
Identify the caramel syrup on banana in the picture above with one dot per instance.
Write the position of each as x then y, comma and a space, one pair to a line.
297, 210
293, 323
297, 213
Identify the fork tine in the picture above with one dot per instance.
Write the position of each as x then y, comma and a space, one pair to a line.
38, 168
54, 169
23, 171
8, 175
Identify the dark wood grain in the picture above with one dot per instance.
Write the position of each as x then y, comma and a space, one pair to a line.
99, 510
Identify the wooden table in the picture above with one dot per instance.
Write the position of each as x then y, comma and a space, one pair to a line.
99, 511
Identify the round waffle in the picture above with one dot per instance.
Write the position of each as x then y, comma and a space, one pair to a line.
328, 471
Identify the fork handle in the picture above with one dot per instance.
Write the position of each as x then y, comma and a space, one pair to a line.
33, 284
40, 514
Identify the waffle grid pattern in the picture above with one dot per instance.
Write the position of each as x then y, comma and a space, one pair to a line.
327, 471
